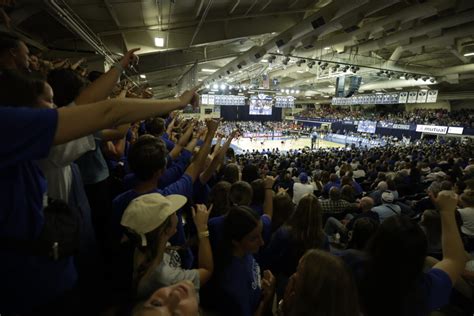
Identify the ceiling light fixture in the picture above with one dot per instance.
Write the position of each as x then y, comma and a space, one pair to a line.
215, 86
159, 42
143, 76
208, 70
223, 86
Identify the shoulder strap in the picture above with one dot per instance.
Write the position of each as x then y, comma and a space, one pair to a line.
392, 209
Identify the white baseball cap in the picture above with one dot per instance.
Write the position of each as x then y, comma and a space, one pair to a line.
147, 212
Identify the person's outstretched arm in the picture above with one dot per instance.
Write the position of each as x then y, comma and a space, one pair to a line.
268, 183
198, 163
454, 257
77, 121
101, 88
205, 259
183, 141
216, 161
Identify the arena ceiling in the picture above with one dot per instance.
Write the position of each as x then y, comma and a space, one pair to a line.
238, 41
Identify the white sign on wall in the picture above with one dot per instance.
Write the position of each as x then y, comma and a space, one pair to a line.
412, 96
403, 97
432, 96
455, 130
422, 95
432, 129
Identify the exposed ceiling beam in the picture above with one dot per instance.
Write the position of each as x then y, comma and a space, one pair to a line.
179, 25
113, 14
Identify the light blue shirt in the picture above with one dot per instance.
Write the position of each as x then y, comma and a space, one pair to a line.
387, 210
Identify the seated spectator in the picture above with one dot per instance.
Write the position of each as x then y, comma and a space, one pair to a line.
362, 231
321, 286
376, 195
178, 299
335, 204
431, 225
348, 193
283, 208
467, 217
387, 208
333, 182
343, 227
151, 221
302, 188
258, 196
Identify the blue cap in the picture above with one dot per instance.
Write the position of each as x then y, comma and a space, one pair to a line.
303, 177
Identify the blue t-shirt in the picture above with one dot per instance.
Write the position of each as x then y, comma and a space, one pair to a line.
27, 281
216, 230
169, 144
175, 170
239, 287
282, 254
184, 186
435, 284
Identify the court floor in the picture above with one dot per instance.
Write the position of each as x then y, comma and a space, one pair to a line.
283, 144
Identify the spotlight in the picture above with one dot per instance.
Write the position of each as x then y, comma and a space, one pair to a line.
416, 77
285, 61
282, 90
324, 66
297, 91
299, 62
432, 80
424, 78
287, 91
271, 58
344, 69
215, 86
223, 86
311, 64
208, 86
292, 91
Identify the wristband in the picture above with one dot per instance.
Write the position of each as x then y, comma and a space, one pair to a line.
203, 234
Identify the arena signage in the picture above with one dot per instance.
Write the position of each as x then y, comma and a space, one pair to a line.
432, 129
455, 130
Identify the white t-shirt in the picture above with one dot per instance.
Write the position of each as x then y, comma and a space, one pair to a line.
57, 167
467, 216
300, 189
168, 272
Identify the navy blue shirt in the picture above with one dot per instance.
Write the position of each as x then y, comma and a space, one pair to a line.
27, 281
183, 186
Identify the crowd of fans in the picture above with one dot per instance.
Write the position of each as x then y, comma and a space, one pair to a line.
259, 127
119, 206
464, 118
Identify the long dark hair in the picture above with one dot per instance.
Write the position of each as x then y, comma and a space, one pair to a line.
239, 222
324, 286
397, 253
305, 224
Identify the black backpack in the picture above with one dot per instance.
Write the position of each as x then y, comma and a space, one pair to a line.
59, 238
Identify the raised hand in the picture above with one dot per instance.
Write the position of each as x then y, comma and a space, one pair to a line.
447, 201
129, 58
190, 97
268, 285
201, 216
269, 181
